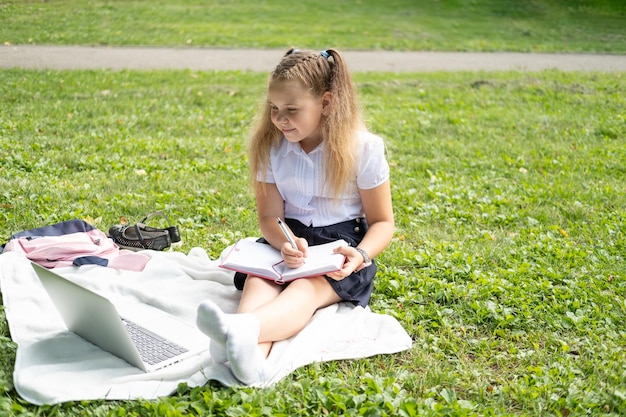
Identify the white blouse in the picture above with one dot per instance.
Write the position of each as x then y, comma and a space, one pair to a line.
300, 177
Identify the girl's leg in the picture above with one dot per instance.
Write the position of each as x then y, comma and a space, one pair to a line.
213, 322
266, 314
284, 310
288, 313
257, 292
277, 319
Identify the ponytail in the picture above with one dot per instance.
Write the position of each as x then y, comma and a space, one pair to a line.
340, 127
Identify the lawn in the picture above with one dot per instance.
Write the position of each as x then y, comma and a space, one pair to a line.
507, 266
450, 25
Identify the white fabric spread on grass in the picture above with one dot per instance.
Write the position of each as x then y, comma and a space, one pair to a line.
54, 365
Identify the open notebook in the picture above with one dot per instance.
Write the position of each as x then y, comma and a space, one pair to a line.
264, 261
145, 337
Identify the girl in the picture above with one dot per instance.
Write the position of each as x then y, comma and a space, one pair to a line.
313, 164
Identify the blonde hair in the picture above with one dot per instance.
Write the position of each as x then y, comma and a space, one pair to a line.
320, 72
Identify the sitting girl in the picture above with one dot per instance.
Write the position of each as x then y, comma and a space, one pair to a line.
313, 164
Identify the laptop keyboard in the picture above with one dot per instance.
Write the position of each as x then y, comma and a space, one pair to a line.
152, 347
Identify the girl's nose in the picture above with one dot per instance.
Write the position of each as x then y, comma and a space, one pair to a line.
281, 117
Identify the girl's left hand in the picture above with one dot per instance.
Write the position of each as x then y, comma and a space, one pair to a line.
353, 263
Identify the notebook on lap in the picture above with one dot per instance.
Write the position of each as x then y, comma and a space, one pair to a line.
145, 337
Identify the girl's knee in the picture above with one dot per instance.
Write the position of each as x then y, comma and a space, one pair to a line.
318, 288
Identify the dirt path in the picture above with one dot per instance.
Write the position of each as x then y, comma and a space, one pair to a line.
138, 58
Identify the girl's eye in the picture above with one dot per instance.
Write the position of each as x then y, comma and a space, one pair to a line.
289, 110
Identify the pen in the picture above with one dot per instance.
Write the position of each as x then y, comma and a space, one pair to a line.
286, 233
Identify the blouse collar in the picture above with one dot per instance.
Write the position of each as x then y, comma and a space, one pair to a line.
297, 149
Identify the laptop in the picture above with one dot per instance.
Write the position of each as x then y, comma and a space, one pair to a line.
143, 336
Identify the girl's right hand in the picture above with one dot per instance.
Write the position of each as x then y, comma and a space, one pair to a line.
294, 257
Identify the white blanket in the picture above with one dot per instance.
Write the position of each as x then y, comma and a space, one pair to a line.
54, 365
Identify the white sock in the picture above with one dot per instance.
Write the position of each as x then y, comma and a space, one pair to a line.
246, 360
218, 352
213, 322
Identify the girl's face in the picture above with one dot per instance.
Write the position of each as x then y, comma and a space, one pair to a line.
297, 113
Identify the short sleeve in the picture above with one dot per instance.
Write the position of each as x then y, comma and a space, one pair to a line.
268, 175
372, 168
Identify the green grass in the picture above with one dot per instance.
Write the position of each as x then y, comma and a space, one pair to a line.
507, 266
453, 25
508, 263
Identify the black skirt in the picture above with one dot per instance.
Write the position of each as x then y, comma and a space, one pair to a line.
357, 287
